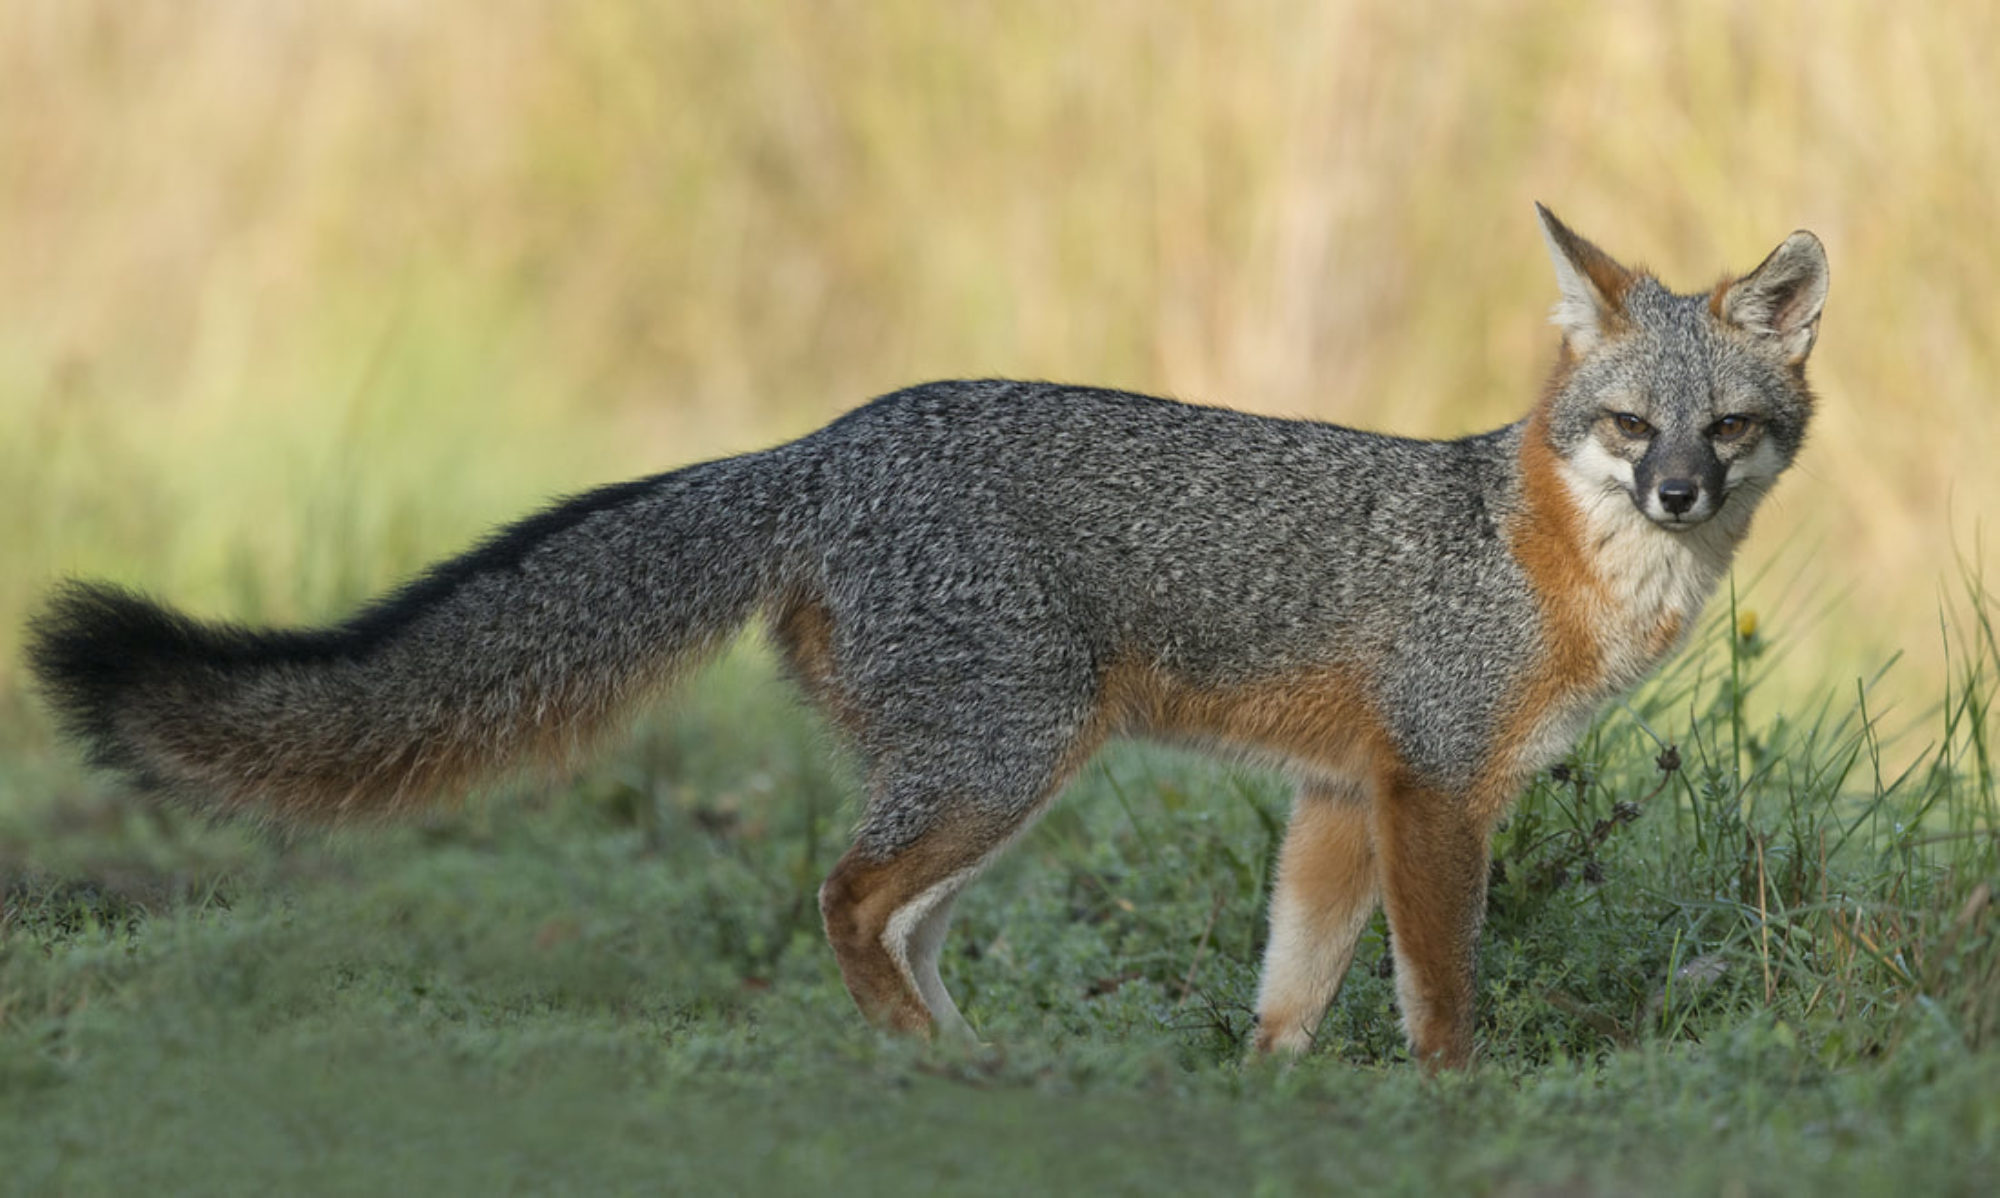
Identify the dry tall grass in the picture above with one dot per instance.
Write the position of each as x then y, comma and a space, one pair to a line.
295, 296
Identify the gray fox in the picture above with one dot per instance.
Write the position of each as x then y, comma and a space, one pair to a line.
980, 582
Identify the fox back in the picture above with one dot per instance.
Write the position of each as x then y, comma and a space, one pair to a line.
981, 582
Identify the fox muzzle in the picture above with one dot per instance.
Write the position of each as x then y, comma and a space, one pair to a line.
1678, 484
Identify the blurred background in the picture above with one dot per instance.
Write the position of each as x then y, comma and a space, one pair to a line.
295, 298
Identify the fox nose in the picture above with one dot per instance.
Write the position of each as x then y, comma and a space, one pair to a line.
1677, 495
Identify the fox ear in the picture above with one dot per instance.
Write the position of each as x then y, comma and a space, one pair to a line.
1780, 301
1592, 285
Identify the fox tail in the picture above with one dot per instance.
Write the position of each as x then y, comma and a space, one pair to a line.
517, 651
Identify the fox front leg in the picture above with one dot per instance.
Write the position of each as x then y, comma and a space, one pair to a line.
1327, 890
1432, 852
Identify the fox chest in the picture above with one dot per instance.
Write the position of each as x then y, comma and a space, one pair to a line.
1650, 588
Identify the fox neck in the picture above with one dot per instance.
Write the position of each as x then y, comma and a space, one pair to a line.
1620, 592
1651, 584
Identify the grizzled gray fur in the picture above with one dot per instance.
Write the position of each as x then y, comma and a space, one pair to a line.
988, 548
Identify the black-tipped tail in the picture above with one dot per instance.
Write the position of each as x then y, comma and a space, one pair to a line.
95, 644
518, 651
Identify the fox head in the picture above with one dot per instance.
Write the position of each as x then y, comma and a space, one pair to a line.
1687, 404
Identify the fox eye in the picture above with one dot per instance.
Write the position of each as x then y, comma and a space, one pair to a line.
1729, 428
1630, 425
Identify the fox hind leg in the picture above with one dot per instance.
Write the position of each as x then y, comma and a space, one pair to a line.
887, 904
968, 728
1326, 892
886, 917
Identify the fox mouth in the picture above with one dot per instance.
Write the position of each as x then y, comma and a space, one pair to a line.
1678, 522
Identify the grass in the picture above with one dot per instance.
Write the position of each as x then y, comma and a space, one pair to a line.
1740, 961
274, 274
